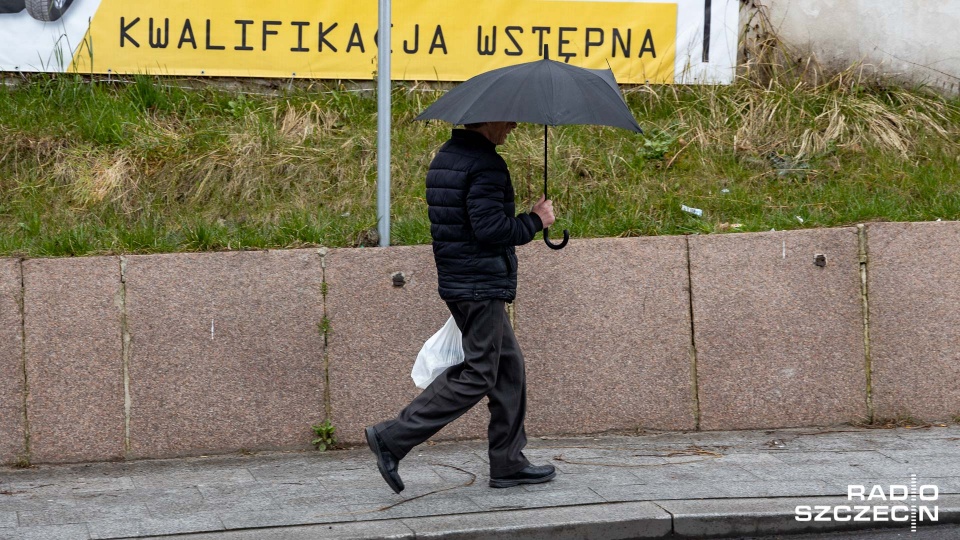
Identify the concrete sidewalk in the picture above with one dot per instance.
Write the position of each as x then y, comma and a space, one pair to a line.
699, 485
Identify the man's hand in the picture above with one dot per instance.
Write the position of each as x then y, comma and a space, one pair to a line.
544, 209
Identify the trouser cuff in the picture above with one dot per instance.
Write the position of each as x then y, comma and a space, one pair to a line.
388, 442
500, 472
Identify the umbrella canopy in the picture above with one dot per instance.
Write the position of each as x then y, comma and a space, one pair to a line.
540, 92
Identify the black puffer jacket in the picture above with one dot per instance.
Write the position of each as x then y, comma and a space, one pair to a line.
472, 220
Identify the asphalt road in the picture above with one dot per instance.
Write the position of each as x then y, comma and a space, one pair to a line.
943, 532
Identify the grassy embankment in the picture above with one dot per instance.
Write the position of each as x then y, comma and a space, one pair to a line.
146, 166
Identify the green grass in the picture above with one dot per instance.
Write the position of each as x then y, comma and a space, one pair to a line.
149, 165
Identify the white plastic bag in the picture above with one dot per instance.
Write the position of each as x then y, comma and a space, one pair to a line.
442, 350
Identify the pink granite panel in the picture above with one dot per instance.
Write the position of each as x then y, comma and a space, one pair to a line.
377, 331
226, 351
605, 329
72, 314
779, 339
12, 442
914, 289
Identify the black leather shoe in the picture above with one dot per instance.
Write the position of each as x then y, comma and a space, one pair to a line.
386, 462
531, 474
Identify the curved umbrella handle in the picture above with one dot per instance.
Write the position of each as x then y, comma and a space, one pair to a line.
546, 231
546, 239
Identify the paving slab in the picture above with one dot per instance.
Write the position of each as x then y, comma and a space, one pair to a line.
776, 489
367, 530
924, 462
51, 532
12, 438
605, 353
559, 496
779, 337
947, 484
292, 470
914, 288
128, 528
370, 371
829, 467
316, 499
226, 356
326, 513
706, 499
53, 502
452, 505
838, 440
81, 514
167, 502
748, 441
613, 521
74, 359
679, 489
195, 476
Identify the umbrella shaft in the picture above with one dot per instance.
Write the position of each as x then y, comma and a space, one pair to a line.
544, 161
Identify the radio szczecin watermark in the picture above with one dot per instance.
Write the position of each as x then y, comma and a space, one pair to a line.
901, 505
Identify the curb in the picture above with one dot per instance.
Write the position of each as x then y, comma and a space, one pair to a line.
692, 518
724, 518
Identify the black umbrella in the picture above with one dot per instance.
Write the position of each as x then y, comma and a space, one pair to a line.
540, 92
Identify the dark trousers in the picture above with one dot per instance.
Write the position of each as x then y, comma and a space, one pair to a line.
492, 367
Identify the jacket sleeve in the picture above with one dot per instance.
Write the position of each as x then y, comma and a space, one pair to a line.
488, 217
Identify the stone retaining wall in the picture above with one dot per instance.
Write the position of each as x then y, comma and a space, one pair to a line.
107, 358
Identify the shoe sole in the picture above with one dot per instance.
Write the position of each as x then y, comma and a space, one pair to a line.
372, 443
511, 483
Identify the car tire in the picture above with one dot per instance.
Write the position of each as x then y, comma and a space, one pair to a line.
47, 10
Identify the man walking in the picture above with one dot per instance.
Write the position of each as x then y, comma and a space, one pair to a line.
475, 230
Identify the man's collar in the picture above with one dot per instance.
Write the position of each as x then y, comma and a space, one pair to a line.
474, 137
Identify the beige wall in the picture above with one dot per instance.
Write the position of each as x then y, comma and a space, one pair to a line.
915, 40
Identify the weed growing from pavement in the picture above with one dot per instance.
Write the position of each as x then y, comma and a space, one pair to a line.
325, 436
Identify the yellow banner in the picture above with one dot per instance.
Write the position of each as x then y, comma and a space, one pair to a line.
432, 39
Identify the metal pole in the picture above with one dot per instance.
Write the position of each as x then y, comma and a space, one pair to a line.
383, 125
706, 31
